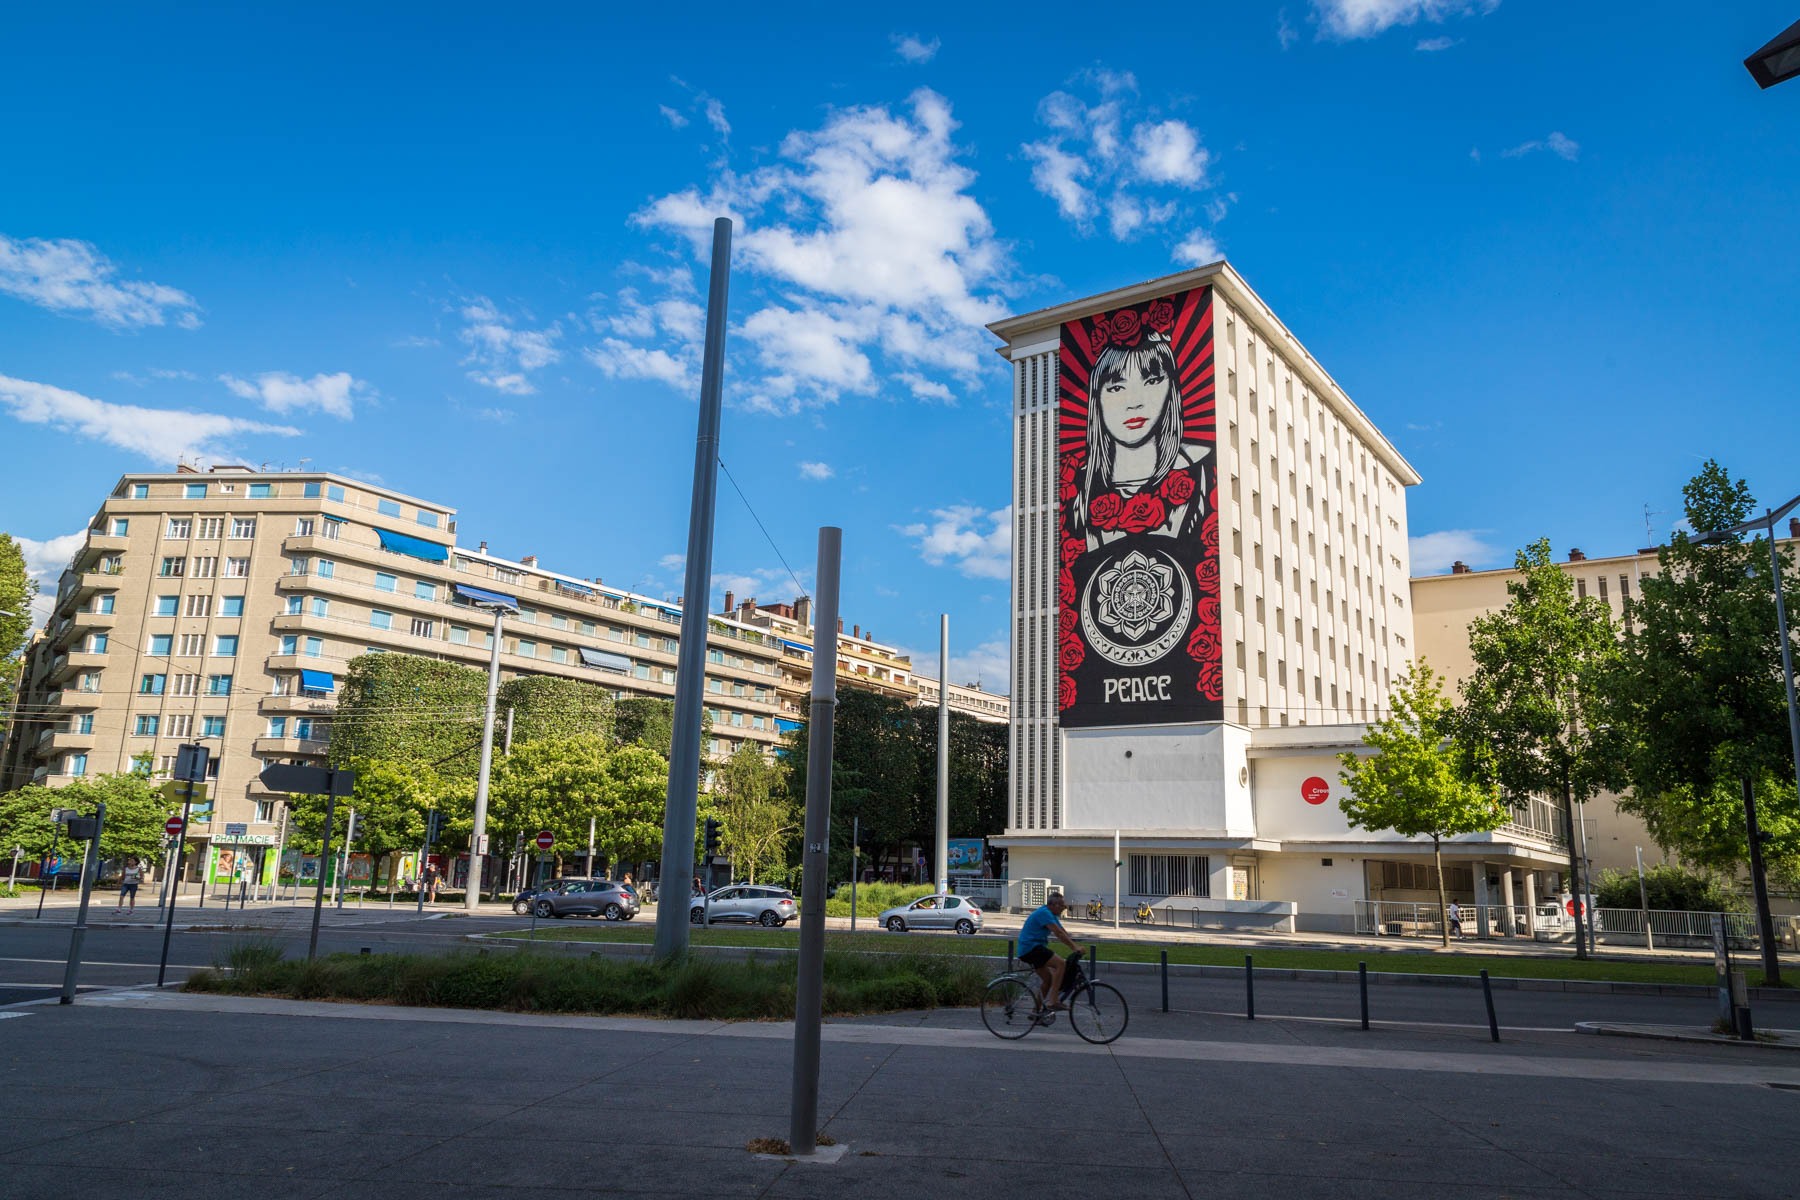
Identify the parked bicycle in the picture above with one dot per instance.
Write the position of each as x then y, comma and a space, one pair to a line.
1096, 911
1143, 915
1097, 1012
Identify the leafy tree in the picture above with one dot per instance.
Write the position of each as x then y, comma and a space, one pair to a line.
978, 783
546, 706
1697, 697
1418, 783
1530, 701
135, 812
1668, 887
753, 807
391, 800
554, 784
634, 795
16, 592
410, 710
875, 772
645, 720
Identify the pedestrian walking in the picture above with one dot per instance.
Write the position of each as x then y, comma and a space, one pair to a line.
129, 878
1455, 915
430, 883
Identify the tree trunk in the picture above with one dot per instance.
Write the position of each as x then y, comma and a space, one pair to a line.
1437, 861
1577, 889
1765, 924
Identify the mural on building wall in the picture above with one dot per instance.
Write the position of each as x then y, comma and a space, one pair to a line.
1138, 590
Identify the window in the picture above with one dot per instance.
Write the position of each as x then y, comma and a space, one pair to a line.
422, 627
218, 685
196, 606
225, 645
303, 526
140, 491
310, 491
103, 604
261, 491
205, 566
77, 765
303, 729
425, 591
152, 685
120, 527
237, 568
526, 616
293, 605
385, 582
315, 647
428, 519
194, 491
181, 725
85, 724
1170, 875
387, 508
506, 575
212, 727
278, 727
1624, 589
1581, 589
558, 654
211, 528
173, 568
185, 685
191, 644
161, 645
243, 527
146, 726
321, 607
327, 568
265, 812
296, 566
459, 636
231, 606
334, 493
380, 619
290, 643
90, 681
526, 649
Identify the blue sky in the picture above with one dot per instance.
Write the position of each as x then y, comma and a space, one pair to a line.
459, 249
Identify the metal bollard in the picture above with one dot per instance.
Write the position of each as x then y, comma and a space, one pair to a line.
1009, 955
1249, 988
1165, 980
1093, 962
1487, 993
1362, 980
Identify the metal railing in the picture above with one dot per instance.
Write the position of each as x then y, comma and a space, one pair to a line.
1540, 820
1669, 928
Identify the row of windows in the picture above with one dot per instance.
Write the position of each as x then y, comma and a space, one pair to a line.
185, 685
311, 491
306, 729
204, 566
205, 529
177, 725
171, 605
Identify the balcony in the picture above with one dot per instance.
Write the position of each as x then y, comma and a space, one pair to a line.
74, 662
89, 620
287, 747
89, 583
58, 740
302, 662
103, 543
73, 700
297, 704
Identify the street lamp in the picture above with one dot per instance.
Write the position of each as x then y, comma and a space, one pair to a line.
1777, 61
478, 840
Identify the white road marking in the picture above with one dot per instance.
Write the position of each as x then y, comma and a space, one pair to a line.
88, 962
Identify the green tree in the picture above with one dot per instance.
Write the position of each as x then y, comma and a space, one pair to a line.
17, 590
758, 818
553, 784
410, 710
633, 798
874, 773
1529, 703
135, 812
978, 783
545, 706
1668, 887
390, 800
1417, 782
645, 720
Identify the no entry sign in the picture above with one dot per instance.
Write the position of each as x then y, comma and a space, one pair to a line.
545, 839
172, 826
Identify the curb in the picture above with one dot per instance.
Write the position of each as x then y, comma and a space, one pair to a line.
1674, 1033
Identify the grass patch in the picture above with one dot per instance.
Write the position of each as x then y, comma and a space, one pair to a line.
697, 988
1413, 962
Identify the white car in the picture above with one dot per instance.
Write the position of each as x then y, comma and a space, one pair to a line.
748, 904
942, 911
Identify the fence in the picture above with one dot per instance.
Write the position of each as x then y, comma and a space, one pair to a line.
1550, 922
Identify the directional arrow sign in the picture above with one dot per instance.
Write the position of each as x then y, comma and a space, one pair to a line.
317, 781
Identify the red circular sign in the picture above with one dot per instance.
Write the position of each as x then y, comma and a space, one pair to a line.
1315, 791
172, 826
545, 839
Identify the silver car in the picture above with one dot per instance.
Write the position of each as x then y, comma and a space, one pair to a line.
941, 911
587, 897
748, 904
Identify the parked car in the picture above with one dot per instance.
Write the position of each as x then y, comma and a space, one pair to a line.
747, 904
942, 911
522, 901
586, 898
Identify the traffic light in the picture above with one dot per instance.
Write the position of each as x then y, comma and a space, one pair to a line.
350, 830
433, 826
712, 836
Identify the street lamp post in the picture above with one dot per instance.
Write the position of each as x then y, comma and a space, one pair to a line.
478, 839
1777, 61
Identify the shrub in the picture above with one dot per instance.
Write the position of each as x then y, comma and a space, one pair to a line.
1670, 887
872, 899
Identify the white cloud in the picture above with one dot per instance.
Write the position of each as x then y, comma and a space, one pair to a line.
165, 435
715, 116
1433, 553
501, 356
915, 49
44, 562
1058, 174
674, 118
867, 233
1436, 44
499, 416
1170, 152
69, 276
1285, 33
1350, 20
1197, 249
817, 471
619, 359
1563, 147
988, 665
977, 542
281, 392
923, 388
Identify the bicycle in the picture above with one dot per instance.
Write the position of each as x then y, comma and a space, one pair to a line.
1096, 911
1097, 1012
1144, 915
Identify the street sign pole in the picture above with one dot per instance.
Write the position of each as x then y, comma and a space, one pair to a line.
312, 942
344, 857
190, 766
90, 866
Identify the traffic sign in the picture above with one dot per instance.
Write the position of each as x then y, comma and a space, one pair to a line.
236, 828
176, 792
545, 839
316, 781
173, 827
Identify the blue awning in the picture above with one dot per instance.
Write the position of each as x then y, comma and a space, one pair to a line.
580, 589
339, 520
483, 596
404, 543
602, 661
785, 725
317, 681
795, 645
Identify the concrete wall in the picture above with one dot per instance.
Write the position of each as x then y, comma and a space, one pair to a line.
1187, 777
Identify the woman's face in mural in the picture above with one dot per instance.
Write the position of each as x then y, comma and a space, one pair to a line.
1131, 405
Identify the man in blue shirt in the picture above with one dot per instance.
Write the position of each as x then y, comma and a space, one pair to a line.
1034, 947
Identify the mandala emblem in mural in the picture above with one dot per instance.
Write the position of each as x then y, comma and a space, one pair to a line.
1136, 608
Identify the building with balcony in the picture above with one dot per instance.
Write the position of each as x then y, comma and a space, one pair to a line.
967, 698
862, 661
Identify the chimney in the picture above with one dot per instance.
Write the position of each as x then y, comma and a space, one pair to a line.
1576, 555
1459, 567
182, 468
802, 611
856, 631
530, 560
1794, 527
483, 549
730, 602
749, 606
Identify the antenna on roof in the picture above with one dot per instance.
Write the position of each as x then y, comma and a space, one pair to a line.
1649, 533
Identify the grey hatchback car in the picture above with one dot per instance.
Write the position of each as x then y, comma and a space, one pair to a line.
935, 912
586, 898
746, 903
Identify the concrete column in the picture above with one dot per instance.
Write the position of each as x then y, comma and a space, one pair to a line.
1478, 872
1506, 898
1530, 902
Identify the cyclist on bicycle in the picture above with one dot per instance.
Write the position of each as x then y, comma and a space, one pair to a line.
1034, 948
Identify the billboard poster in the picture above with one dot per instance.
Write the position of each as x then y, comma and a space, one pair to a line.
967, 855
1138, 586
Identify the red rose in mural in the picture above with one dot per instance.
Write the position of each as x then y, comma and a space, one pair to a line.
1160, 316
1143, 512
1209, 534
1212, 681
1068, 491
1065, 588
1100, 335
1105, 510
1207, 612
1212, 496
1065, 620
1072, 549
1206, 574
1203, 645
1073, 652
1125, 326
1065, 694
1178, 488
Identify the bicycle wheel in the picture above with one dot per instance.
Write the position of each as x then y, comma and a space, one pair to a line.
1006, 1008
1098, 1012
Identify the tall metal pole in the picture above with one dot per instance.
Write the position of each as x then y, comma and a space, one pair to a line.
943, 791
690, 669
187, 807
1765, 924
1644, 900
312, 942
90, 864
1787, 654
809, 986
590, 857
478, 839
1116, 860
343, 873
